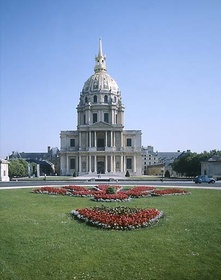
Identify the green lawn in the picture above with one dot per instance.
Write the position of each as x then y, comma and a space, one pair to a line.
39, 240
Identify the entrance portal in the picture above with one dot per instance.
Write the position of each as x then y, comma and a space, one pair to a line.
100, 167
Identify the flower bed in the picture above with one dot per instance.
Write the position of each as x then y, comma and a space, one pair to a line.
75, 188
120, 218
80, 191
88, 193
142, 191
104, 188
101, 195
116, 197
51, 190
171, 191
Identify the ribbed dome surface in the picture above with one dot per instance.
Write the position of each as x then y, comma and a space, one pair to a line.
100, 82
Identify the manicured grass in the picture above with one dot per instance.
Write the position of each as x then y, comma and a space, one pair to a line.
39, 239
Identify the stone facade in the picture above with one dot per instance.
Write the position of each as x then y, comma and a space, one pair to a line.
4, 170
153, 162
100, 145
212, 167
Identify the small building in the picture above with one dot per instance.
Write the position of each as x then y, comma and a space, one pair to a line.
153, 162
4, 170
212, 167
149, 158
155, 170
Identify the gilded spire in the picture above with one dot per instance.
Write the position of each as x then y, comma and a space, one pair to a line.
100, 59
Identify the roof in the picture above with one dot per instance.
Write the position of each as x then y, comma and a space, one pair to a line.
215, 158
41, 162
168, 155
3, 161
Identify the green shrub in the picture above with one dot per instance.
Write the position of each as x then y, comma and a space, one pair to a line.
111, 190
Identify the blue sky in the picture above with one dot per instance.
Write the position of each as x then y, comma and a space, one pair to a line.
164, 55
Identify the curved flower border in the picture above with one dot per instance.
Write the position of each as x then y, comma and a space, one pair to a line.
99, 193
116, 197
118, 218
170, 191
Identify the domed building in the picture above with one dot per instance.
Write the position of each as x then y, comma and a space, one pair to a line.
100, 145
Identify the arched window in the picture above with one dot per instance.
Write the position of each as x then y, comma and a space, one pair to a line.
86, 100
95, 98
106, 117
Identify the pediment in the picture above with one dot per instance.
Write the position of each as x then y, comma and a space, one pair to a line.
101, 125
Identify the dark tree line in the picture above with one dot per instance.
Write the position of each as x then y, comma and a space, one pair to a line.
189, 164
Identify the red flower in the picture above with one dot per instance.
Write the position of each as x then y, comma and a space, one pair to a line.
118, 218
170, 191
51, 190
115, 196
141, 191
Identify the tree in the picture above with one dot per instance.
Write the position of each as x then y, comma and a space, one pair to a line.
189, 164
18, 168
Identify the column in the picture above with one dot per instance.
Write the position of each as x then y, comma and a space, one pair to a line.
67, 166
89, 164
111, 164
79, 140
114, 138
79, 163
105, 164
95, 139
114, 164
135, 164
111, 136
121, 140
112, 116
89, 139
86, 163
95, 163
78, 118
89, 115
121, 164
105, 138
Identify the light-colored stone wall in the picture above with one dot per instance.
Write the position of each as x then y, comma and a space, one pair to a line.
4, 170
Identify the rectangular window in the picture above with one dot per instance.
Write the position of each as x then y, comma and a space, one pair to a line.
72, 163
129, 142
129, 163
84, 119
72, 142
94, 117
106, 119
100, 143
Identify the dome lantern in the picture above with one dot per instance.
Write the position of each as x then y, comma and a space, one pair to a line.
100, 60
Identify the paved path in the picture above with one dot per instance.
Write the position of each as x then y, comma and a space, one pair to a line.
186, 185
